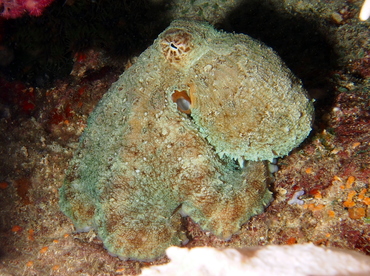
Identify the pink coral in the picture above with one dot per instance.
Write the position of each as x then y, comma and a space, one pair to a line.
16, 8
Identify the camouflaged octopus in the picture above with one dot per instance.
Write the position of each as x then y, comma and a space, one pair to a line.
184, 131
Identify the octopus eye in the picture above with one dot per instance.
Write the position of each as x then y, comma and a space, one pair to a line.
176, 44
182, 100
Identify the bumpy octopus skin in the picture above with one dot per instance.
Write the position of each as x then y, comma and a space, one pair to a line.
184, 131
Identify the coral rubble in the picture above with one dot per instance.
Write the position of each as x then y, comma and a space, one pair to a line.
297, 260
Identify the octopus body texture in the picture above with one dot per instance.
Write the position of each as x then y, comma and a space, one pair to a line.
184, 131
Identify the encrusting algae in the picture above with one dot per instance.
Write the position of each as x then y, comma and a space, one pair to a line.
184, 131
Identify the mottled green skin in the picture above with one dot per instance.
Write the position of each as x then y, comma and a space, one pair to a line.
141, 162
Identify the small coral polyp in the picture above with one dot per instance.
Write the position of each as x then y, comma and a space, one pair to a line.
176, 44
142, 163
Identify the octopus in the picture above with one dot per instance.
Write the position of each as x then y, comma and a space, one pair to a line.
188, 130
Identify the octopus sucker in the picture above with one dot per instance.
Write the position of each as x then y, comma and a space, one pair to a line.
186, 130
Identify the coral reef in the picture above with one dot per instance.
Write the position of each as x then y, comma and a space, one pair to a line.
322, 42
141, 161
